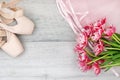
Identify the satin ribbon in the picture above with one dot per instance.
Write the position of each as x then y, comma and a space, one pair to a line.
70, 16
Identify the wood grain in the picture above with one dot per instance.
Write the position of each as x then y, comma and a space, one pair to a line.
49, 51
50, 26
46, 61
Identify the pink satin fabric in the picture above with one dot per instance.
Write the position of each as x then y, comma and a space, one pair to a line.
86, 11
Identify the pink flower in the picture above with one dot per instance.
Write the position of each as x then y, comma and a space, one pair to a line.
78, 48
98, 48
88, 30
103, 21
96, 33
82, 41
83, 60
84, 66
109, 31
83, 56
101, 61
100, 22
96, 68
98, 29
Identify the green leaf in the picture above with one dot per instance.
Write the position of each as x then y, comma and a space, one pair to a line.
108, 68
111, 43
110, 52
111, 48
98, 58
107, 62
115, 61
118, 35
115, 38
110, 65
116, 56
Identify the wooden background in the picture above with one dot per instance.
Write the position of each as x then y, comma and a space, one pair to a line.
49, 51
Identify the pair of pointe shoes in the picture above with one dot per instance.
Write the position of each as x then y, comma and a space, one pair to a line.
9, 14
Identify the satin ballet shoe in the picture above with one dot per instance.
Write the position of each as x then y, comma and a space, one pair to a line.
6, 21
8, 16
6, 13
8, 40
10, 43
3, 37
5, 8
10, 4
23, 26
12, 46
11, 13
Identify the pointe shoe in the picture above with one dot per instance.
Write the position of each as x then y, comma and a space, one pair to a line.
13, 46
3, 37
23, 26
6, 21
6, 15
11, 43
10, 4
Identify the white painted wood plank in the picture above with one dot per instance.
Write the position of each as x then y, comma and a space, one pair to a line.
47, 60
50, 26
22, 78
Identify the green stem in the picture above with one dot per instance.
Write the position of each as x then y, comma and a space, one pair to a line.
110, 65
116, 38
112, 44
98, 59
113, 49
89, 53
108, 57
105, 41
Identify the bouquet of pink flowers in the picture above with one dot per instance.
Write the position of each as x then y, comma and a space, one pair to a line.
98, 47
98, 44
